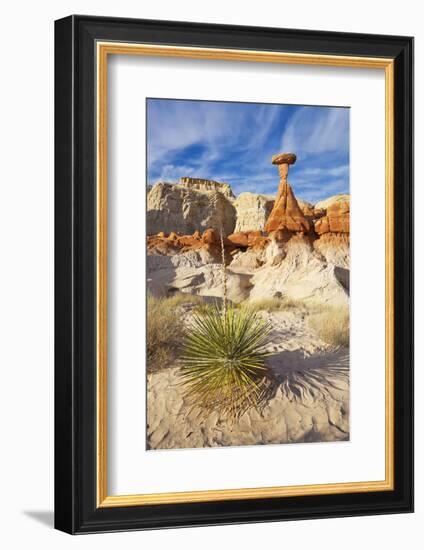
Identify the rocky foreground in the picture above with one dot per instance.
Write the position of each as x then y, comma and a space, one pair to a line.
278, 248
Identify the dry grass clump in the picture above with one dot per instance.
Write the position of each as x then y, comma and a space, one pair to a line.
331, 324
183, 298
165, 330
274, 304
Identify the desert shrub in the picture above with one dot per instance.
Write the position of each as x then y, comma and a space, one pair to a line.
223, 359
165, 330
331, 324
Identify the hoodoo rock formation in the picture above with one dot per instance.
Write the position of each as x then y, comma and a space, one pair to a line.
306, 207
285, 247
286, 213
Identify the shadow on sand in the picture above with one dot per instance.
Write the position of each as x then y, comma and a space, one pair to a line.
301, 376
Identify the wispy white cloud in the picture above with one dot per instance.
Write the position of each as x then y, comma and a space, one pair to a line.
216, 126
319, 131
172, 172
260, 125
316, 193
234, 142
335, 171
179, 124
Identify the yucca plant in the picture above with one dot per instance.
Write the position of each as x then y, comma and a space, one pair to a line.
223, 356
223, 360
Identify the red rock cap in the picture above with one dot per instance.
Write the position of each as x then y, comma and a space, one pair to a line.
284, 158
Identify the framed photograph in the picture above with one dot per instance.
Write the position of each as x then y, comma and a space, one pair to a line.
234, 269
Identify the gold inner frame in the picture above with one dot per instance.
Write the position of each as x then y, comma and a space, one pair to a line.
104, 49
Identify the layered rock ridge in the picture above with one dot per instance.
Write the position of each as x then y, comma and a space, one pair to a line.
205, 186
186, 208
285, 247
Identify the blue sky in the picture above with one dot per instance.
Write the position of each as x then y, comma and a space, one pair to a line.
234, 142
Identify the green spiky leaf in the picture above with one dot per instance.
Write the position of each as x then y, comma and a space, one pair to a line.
223, 359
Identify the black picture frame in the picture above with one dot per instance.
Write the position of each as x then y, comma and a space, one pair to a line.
76, 510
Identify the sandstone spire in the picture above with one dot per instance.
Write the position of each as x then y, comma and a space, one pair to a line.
286, 213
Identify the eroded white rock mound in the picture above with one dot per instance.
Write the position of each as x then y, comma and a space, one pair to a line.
297, 269
191, 272
252, 211
294, 269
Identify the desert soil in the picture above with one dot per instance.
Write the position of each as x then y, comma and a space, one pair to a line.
309, 401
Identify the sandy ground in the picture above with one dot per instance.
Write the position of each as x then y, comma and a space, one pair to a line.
308, 402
